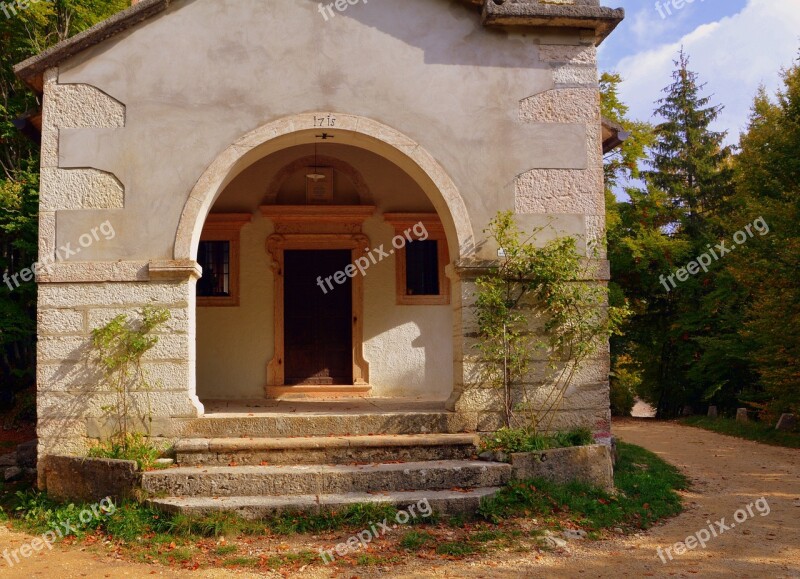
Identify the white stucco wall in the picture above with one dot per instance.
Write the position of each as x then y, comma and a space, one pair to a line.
197, 77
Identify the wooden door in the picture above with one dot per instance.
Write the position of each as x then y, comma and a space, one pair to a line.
318, 335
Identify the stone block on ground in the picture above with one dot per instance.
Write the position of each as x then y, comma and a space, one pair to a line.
741, 415
71, 478
587, 464
712, 412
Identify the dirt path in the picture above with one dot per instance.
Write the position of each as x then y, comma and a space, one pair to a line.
727, 475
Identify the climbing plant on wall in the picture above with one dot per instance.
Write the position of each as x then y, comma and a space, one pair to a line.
538, 285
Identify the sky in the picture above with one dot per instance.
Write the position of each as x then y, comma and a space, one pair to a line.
734, 45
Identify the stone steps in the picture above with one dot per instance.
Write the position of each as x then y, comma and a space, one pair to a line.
441, 501
325, 450
287, 424
247, 458
282, 481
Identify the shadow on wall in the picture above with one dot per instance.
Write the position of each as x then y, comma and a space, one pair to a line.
460, 20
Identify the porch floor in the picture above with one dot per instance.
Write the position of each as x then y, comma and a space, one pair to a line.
347, 406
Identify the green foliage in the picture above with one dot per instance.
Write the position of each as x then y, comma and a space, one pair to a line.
663, 226
358, 515
133, 521
625, 382
27, 33
39, 514
415, 540
241, 562
731, 336
216, 525
134, 446
455, 549
118, 348
763, 432
226, 549
623, 162
538, 283
510, 440
646, 492
766, 321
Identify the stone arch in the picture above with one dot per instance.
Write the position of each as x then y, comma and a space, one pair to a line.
349, 129
352, 173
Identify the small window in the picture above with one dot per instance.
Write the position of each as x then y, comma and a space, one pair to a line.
218, 255
215, 259
422, 268
421, 278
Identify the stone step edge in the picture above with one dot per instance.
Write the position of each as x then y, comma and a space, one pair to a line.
203, 445
441, 501
321, 469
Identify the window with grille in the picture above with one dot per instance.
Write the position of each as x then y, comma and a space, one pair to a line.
218, 255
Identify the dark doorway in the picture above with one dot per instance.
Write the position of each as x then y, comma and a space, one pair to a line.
318, 334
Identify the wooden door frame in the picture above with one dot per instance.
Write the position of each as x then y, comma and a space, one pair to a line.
297, 229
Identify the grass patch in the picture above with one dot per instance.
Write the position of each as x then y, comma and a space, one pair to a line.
134, 447
510, 440
226, 549
487, 536
415, 540
358, 515
755, 431
371, 560
455, 549
646, 492
241, 562
301, 558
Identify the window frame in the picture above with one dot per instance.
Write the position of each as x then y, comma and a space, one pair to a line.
225, 227
402, 222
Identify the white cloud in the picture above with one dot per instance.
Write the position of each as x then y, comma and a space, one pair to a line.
733, 56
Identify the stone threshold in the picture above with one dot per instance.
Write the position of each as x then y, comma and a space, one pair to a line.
343, 406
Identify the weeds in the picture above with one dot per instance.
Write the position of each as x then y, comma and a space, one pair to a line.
415, 540
455, 549
134, 446
510, 440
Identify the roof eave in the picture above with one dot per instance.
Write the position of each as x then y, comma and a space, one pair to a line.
531, 13
32, 70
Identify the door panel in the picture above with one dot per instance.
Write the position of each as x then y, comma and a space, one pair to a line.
318, 335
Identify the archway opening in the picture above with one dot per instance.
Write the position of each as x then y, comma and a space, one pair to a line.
273, 331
